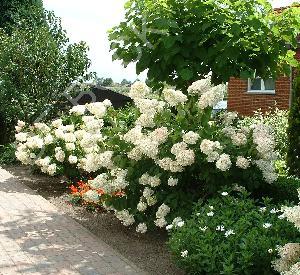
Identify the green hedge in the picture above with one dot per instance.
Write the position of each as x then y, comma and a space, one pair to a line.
284, 189
293, 156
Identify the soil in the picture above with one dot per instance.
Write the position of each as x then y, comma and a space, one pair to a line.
148, 251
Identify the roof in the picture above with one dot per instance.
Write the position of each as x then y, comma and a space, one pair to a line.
279, 10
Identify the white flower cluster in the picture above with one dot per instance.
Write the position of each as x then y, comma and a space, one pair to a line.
113, 181
174, 97
148, 199
200, 87
224, 162
289, 259
161, 213
145, 144
190, 137
138, 90
146, 179
242, 162
211, 97
211, 149
125, 217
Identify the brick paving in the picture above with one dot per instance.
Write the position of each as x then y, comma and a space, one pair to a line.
36, 239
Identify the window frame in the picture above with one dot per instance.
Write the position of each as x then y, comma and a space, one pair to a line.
262, 90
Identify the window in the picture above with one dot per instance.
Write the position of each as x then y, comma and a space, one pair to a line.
259, 85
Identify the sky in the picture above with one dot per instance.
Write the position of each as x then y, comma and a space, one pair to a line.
89, 21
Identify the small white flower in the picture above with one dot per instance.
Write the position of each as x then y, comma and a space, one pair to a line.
281, 217
198, 214
210, 214
220, 228
267, 225
203, 229
184, 253
229, 232
263, 209
169, 227
180, 224
273, 211
270, 251
224, 194
211, 207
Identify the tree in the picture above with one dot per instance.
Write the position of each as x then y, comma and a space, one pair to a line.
107, 82
37, 64
125, 82
182, 41
293, 155
12, 11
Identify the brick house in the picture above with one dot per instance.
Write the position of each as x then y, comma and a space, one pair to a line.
247, 96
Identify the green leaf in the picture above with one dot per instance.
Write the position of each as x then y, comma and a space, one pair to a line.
186, 74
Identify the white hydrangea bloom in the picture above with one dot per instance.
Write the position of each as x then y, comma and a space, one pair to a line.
141, 228
200, 87
78, 110
172, 181
242, 162
190, 137
224, 162
162, 211
138, 90
161, 222
146, 179
51, 170
160, 135
211, 97
22, 137
98, 109
57, 123
141, 206
70, 146
125, 217
239, 139
174, 97
72, 159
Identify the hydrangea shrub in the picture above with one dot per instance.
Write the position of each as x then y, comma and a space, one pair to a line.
172, 154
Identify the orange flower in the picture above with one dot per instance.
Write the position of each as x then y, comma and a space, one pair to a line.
73, 189
119, 194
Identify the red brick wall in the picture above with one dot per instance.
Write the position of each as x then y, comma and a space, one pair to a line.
246, 103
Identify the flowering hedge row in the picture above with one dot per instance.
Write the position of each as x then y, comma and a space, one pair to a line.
152, 171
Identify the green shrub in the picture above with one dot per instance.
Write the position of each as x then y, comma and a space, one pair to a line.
293, 161
7, 154
284, 189
230, 235
278, 120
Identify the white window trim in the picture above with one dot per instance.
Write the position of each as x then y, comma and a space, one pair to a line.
262, 91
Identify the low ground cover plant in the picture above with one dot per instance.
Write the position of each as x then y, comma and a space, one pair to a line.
171, 154
230, 234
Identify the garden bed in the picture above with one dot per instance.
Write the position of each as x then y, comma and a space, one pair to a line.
148, 251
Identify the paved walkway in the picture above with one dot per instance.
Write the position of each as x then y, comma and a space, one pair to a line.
36, 239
